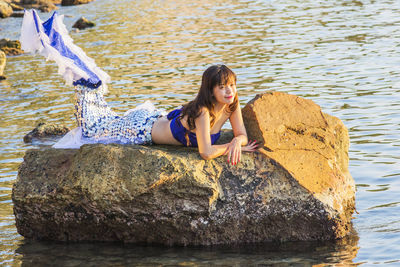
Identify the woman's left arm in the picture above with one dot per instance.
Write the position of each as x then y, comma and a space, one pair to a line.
234, 150
239, 131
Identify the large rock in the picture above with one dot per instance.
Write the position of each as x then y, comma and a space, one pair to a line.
74, 2
5, 9
169, 195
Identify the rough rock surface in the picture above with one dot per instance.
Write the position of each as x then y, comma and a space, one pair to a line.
10, 47
5, 9
3, 60
83, 23
169, 195
311, 145
46, 130
74, 2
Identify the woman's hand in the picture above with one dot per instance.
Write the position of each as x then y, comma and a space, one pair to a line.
234, 150
250, 147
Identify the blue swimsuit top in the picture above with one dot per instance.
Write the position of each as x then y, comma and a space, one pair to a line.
179, 132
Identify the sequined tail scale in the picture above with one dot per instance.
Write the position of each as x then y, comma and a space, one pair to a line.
100, 124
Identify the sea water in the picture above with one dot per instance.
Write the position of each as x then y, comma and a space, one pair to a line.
344, 55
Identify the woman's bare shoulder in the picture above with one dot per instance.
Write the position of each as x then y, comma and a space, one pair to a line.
204, 111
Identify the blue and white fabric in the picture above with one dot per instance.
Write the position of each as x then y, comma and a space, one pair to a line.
51, 39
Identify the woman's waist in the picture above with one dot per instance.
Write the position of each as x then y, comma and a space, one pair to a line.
161, 132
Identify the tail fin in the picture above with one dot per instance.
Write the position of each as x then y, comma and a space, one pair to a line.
51, 40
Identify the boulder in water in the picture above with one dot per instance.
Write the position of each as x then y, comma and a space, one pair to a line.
43, 130
83, 23
42, 5
74, 2
170, 195
5, 9
11, 48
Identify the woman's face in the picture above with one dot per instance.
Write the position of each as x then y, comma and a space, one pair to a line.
225, 94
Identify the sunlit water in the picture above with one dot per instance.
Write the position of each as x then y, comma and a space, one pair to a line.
344, 55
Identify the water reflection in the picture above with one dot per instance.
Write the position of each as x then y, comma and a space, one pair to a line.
341, 252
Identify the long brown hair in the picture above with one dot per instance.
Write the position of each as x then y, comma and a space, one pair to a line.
212, 76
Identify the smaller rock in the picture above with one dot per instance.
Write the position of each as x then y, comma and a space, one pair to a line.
17, 14
45, 129
42, 5
3, 61
16, 7
11, 48
5, 9
47, 7
74, 2
83, 23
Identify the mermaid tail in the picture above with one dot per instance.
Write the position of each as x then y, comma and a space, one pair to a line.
51, 39
99, 124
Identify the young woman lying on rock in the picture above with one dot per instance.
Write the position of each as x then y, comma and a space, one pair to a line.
197, 124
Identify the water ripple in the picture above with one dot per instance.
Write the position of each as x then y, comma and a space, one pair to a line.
344, 55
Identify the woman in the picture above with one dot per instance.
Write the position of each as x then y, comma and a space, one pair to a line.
197, 124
